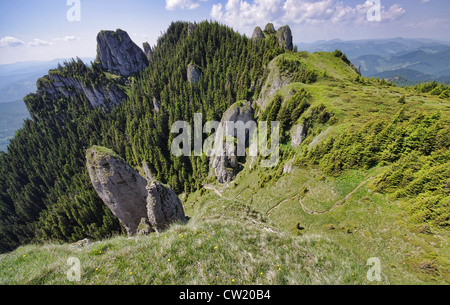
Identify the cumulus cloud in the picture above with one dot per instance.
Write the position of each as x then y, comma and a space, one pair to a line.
71, 38
39, 43
244, 13
183, 4
9, 41
68, 38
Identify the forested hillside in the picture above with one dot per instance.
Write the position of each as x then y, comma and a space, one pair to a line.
45, 190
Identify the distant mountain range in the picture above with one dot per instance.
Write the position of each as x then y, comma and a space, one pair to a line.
12, 115
16, 81
19, 79
406, 61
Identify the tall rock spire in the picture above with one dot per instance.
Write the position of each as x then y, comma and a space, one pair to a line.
118, 54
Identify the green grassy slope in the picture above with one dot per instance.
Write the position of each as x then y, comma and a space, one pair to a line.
309, 226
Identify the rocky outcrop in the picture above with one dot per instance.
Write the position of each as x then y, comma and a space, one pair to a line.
257, 35
298, 134
120, 187
191, 28
56, 86
118, 54
288, 167
156, 105
148, 51
141, 205
274, 81
284, 36
270, 28
224, 161
193, 75
163, 206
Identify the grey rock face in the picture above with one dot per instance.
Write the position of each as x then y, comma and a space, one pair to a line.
288, 167
148, 51
120, 187
156, 104
284, 35
163, 206
140, 205
298, 135
118, 54
59, 86
257, 35
191, 28
270, 29
193, 75
225, 164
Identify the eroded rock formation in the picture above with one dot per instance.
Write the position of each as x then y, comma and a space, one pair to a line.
193, 75
134, 200
284, 36
257, 35
118, 54
163, 206
224, 161
120, 187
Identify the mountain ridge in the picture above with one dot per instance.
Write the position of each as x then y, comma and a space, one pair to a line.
384, 55
365, 179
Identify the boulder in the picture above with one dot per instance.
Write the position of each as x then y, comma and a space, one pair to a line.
142, 205
156, 105
82, 243
288, 167
163, 206
120, 187
193, 75
298, 134
118, 54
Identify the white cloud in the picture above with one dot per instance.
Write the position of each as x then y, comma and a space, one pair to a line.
216, 11
183, 4
393, 13
299, 11
246, 13
71, 38
9, 41
66, 38
39, 43
243, 13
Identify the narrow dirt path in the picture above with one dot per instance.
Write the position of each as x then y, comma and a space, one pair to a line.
305, 209
280, 203
337, 203
212, 188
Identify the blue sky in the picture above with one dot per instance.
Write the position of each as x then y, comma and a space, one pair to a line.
40, 30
